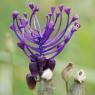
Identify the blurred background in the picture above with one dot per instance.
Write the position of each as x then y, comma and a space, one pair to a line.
80, 50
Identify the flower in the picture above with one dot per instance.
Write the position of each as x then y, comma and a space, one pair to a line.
40, 46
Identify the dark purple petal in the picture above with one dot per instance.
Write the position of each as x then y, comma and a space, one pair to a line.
50, 64
34, 69
31, 82
15, 14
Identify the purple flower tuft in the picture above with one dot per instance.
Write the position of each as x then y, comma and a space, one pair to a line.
42, 45
39, 40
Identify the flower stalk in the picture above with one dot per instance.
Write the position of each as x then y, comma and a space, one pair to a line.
46, 88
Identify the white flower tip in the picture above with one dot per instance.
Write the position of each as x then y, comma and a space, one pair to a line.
47, 74
81, 76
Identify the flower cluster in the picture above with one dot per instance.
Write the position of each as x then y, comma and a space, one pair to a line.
39, 44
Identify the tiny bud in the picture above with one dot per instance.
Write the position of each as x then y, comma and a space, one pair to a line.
52, 9
31, 6
31, 82
13, 27
81, 76
15, 14
21, 45
25, 14
74, 18
61, 7
47, 74
67, 10
67, 71
50, 14
76, 26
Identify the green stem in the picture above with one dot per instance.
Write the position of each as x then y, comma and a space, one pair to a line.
66, 87
45, 88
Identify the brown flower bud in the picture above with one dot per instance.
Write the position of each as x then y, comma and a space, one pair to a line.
67, 71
